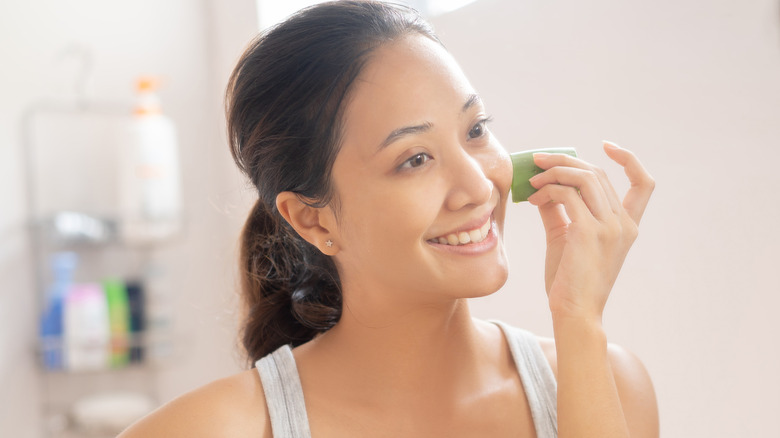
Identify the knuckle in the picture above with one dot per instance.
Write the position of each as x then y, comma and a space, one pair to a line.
562, 193
650, 183
630, 230
592, 178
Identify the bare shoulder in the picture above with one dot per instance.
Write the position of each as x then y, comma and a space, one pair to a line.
233, 406
634, 385
635, 388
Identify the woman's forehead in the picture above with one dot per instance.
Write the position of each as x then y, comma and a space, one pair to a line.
409, 81
406, 66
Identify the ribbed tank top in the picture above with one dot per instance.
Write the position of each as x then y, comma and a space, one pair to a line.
287, 410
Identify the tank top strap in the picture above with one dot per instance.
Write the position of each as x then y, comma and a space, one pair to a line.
283, 394
287, 410
537, 377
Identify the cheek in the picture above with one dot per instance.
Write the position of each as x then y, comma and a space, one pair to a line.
380, 218
500, 172
500, 169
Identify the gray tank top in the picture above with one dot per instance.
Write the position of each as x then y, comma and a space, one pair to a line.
287, 410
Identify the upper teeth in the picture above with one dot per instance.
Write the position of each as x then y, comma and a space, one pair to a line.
474, 236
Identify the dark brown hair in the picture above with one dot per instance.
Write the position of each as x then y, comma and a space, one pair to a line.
284, 106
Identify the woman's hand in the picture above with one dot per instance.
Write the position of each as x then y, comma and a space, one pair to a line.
589, 230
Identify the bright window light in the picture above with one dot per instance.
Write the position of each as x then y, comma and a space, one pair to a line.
438, 7
270, 12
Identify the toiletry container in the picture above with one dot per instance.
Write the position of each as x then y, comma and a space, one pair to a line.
149, 180
62, 266
118, 320
86, 328
136, 301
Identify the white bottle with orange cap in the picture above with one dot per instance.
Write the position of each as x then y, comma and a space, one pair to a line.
149, 183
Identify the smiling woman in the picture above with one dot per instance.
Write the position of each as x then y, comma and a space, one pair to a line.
382, 197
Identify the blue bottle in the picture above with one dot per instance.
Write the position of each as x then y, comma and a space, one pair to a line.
51, 329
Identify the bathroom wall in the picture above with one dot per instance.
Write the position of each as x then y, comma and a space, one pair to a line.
694, 89
192, 45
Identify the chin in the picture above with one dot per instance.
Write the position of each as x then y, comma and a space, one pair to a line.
491, 289
488, 285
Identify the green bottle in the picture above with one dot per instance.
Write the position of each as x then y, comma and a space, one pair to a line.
119, 321
523, 168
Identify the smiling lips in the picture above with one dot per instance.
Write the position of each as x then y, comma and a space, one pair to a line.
465, 237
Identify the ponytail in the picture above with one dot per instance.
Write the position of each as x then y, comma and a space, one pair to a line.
284, 106
290, 289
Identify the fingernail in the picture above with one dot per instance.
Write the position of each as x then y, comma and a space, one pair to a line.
541, 155
611, 145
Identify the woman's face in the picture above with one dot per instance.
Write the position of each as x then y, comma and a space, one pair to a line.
422, 185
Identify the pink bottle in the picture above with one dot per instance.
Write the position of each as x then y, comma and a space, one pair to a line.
86, 328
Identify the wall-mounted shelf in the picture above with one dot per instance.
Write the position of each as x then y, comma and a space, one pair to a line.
71, 174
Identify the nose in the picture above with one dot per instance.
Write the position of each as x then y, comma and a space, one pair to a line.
470, 184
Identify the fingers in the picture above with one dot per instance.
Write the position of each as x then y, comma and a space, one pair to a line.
588, 183
573, 204
566, 176
553, 217
642, 184
597, 192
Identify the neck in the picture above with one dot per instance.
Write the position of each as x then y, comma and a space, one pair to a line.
429, 348
412, 334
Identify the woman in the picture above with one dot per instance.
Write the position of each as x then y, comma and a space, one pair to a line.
381, 209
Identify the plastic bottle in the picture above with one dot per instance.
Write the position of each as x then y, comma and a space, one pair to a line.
136, 301
62, 266
86, 328
119, 321
149, 186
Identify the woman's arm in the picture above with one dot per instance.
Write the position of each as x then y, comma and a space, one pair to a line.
589, 232
633, 384
603, 390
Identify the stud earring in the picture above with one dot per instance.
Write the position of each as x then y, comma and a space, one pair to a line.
329, 243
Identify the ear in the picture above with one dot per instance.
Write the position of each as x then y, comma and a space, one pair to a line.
313, 224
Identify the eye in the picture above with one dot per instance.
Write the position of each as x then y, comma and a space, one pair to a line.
415, 161
480, 129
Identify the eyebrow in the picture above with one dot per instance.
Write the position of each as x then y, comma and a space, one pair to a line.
472, 100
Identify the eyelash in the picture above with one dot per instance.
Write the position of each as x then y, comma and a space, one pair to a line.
407, 165
481, 124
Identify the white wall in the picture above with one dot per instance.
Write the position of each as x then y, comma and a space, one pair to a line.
694, 89
691, 86
193, 45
